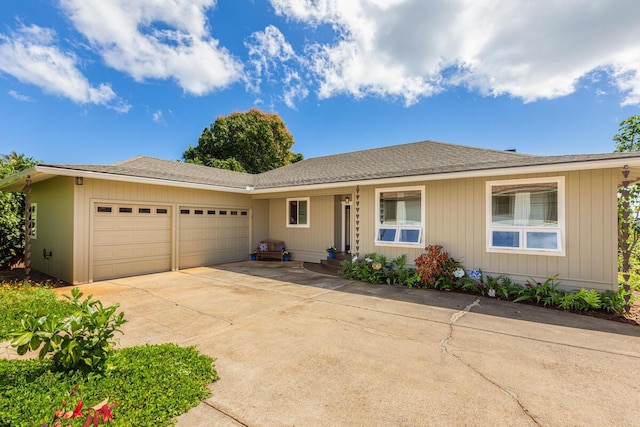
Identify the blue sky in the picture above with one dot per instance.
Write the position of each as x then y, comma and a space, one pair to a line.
99, 82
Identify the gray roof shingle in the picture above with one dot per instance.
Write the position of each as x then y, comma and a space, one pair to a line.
405, 160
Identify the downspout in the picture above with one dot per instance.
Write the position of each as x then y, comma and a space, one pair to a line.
27, 228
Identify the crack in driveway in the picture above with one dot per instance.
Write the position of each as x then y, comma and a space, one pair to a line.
444, 345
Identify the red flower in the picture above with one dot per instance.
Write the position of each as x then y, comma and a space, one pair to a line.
76, 413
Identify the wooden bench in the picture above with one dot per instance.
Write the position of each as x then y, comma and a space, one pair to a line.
274, 249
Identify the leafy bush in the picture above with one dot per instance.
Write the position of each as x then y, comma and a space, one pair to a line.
581, 300
82, 340
545, 293
435, 265
16, 299
151, 384
614, 302
375, 269
12, 208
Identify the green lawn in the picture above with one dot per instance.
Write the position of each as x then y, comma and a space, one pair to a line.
151, 385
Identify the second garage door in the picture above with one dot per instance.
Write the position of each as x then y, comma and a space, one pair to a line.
212, 236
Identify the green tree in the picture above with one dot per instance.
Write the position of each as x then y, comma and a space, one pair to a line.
628, 139
251, 141
12, 211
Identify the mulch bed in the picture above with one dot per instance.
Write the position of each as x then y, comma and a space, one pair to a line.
631, 317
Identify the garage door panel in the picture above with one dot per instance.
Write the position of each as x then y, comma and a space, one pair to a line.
205, 240
131, 243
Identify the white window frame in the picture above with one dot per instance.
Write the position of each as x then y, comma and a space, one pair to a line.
523, 231
34, 221
287, 218
399, 228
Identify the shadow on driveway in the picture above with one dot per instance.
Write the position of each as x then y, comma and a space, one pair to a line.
294, 272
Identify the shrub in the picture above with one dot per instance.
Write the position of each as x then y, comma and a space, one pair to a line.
536, 292
82, 340
375, 269
581, 300
613, 301
435, 264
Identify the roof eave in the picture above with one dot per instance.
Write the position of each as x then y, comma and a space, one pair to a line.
56, 171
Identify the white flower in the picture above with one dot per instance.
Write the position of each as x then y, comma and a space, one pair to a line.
355, 258
492, 293
369, 260
459, 273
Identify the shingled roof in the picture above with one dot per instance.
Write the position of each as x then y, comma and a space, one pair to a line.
406, 160
149, 167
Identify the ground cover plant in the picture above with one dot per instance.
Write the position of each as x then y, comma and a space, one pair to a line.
150, 386
18, 298
436, 269
141, 386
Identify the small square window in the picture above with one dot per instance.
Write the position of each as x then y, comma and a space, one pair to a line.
125, 210
161, 211
185, 211
198, 212
234, 213
244, 213
222, 212
298, 212
211, 212
104, 209
144, 210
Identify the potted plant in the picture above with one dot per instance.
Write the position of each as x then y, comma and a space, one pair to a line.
253, 255
286, 255
331, 250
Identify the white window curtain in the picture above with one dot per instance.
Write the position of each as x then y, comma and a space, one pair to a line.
401, 212
522, 209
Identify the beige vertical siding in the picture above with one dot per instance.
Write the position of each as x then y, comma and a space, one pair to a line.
260, 221
103, 190
55, 227
456, 219
306, 244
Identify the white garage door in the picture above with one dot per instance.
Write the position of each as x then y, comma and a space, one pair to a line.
212, 236
130, 239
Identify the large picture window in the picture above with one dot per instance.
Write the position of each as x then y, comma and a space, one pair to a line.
400, 216
298, 212
526, 215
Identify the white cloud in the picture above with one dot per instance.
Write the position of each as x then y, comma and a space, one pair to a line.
415, 48
150, 39
273, 58
19, 96
31, 56
157, 116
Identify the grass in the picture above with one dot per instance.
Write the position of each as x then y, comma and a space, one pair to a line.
17, 298
151, 385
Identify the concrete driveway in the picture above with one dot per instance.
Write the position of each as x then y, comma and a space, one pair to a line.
305, 349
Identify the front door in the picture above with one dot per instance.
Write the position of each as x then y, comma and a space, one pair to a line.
346, 227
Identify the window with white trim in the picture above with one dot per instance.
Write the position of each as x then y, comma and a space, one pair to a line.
34, 221
298, 212
400, 216
526, 215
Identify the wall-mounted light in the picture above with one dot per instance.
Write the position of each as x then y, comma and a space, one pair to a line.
79, 180
346, 200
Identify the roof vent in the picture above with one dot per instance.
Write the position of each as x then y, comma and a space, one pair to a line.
512, 150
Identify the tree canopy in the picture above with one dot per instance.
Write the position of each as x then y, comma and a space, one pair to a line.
628, 139
12, 211
251, 141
